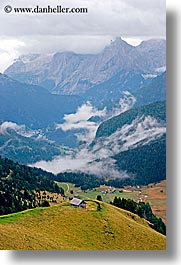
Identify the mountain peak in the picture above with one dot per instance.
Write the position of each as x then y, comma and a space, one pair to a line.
119, 42
118, 39
118, 45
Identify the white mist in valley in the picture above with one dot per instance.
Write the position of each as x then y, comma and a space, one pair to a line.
82, 161
98, 158
140, 131
7, 126
81, 119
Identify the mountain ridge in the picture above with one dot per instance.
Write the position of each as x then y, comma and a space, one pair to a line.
71, 73
32, 105
156, 109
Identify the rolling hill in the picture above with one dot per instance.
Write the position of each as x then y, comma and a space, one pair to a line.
65, 227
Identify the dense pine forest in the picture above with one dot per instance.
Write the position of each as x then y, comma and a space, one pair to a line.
146, 163
80, 179
20, 185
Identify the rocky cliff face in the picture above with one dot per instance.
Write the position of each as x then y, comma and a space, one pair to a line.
71, 73
155, 52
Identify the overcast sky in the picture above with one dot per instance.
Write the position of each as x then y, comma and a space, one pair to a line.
85, 33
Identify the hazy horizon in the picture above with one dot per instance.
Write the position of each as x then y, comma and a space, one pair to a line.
6, 59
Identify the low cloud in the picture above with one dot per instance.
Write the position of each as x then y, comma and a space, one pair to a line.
7, 126
9, 50
140, 131
84, 161
126, 102
10, 125
80, 120
98, 159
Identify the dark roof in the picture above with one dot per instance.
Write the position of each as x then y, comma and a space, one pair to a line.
76, 201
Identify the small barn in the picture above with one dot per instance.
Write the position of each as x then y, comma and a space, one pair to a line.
78, 203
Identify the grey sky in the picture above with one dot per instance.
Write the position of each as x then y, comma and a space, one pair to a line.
106, 19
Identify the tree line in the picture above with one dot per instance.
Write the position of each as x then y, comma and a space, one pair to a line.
20, 184
80, 179
143, 210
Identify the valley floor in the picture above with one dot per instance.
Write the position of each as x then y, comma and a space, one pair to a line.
155, 194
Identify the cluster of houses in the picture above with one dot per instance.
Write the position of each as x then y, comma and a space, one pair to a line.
108, 191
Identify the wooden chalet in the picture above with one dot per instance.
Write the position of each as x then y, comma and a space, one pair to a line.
75, 202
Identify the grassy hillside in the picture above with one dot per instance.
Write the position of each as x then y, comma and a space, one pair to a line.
154, 194
64, 227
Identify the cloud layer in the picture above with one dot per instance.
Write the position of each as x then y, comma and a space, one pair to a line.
85, 33
81, 119
7, 126
98, 159
104, 17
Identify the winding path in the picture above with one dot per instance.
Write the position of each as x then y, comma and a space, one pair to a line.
67, 187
